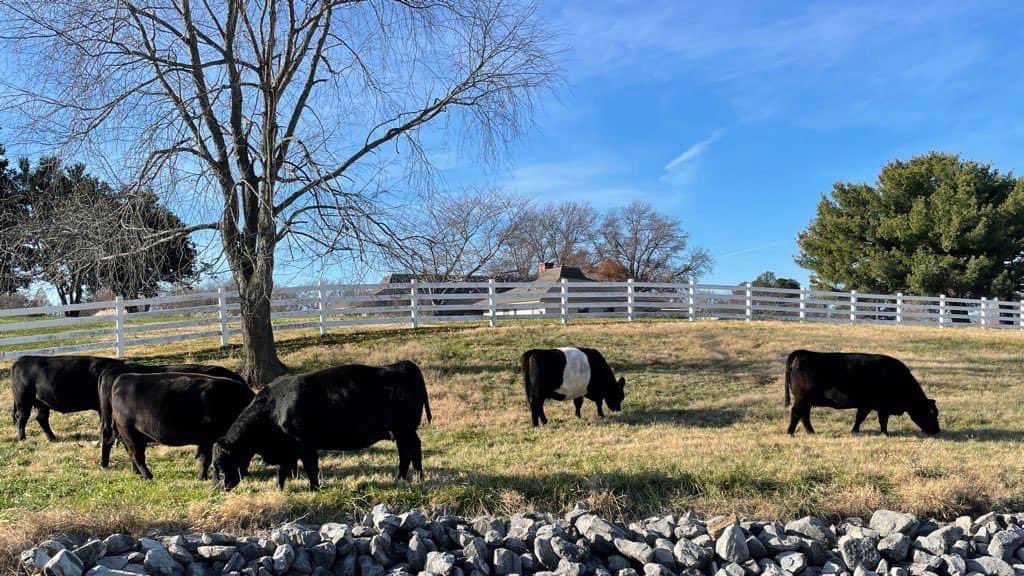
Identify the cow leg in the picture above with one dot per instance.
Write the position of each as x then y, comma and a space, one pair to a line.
600, 408
805, 417
106, 443
578, 402
205, 455
537, 412
135, 444
24, 413
283, 472
404, 445
794, 419
862, 413
883, 422
417, 454
43, 418
311, 462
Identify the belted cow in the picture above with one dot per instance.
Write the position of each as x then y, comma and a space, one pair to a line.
865, 382
343, 408
575, 373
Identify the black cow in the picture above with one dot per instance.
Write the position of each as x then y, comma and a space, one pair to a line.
575, 373
863, 381
344, 408
62, 383
174, 409
106, 381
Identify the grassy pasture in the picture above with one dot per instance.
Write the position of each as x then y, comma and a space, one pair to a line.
702, 428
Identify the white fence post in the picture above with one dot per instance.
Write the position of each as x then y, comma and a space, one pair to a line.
984, 312
1020, 315
749, 309
899, 307
942, 310
321, 307
629, 300
414, 305
222, 315
803, 303
995, 308
564, 301
691, 308
492, 303
853, 306
119, 326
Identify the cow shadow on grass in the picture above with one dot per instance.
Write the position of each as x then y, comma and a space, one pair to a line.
683, 417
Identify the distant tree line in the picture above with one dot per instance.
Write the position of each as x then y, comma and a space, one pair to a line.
67, 228
456, 236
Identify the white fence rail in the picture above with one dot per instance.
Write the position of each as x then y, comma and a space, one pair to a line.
121, 325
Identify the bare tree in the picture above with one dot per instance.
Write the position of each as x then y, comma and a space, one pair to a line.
277, 119
651, 246
455, 236
564, 233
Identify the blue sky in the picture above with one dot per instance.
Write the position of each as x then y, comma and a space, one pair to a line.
735, 117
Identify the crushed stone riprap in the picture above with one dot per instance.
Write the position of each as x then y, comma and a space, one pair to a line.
580, 543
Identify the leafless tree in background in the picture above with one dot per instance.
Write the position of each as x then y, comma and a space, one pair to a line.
563, 233
455, 236
277, 119
651, 246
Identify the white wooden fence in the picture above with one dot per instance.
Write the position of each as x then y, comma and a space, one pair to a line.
122, 324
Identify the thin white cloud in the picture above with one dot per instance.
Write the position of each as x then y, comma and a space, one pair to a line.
694, 151
753, 249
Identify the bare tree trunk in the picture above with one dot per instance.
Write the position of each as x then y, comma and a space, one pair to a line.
260, 363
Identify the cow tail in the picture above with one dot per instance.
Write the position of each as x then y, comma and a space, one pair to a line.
426, 406
524, 364
789, 375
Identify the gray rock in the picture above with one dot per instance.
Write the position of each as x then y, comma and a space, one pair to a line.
368, 567
119, 544
90, 552
147, 544
897, 571
544, 552
179, 553
886, 522
339, 534
302, 565
859, 552
792, 562
99, 570
690, 555
34, 559
895, 546
63, 563
346, 566
323, 554
568, 550
731, 569
811, 527
218, 552
135, 568
236, 563
623, 572
567, 568
485, 524
732, 545
217, 539
831, 567
955, 565
933, 546
416, 554
617, 563
756, 548
663, 553
383, 520
990, 566
768, 567
440, 563
283, 558
528, 563
159, 562
117, 562
380, 549
506, 562
862, 571
1004, 544
653, 569
637, 551
600, 533
412, 520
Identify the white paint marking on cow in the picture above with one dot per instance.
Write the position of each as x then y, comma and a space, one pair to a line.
576, 376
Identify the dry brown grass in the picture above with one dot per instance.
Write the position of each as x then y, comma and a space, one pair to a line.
703, 428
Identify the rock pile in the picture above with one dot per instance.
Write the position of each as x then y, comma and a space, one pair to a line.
579, 544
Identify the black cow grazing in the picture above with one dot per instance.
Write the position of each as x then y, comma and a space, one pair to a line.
106, 381
62, 383
863, 381
343, 408
174, 409
575, 373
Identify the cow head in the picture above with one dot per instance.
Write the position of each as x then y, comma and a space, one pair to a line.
228, 466
926, 416
616, 395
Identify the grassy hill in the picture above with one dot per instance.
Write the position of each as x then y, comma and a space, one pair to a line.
702, 428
